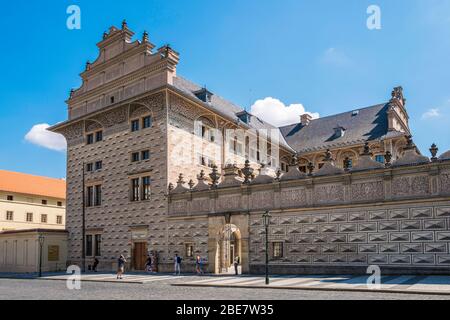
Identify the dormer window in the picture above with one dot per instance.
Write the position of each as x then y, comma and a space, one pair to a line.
339, 132
244, 116
204, 95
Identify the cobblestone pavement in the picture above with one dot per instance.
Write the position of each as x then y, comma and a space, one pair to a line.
395, 284
162, 288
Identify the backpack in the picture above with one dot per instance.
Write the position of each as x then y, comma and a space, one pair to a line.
179, 259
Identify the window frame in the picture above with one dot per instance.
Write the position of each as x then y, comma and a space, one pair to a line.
9, 215
277, 252
29, 217
44, 218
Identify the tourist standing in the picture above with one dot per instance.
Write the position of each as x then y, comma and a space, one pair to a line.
177, 261
198, 265
237, 262
121, 267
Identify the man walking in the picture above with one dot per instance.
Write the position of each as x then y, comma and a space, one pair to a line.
177, 261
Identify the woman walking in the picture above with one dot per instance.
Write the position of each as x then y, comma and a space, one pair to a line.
121, 267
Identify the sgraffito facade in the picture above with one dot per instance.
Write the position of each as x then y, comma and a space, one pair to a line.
395, 217
134, 125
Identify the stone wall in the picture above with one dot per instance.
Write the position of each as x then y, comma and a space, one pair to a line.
396, 217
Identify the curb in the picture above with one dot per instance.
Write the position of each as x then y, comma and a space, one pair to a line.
414, 292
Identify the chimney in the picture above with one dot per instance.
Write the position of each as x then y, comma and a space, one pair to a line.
305, 119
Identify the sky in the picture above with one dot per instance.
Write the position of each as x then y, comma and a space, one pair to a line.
293, 56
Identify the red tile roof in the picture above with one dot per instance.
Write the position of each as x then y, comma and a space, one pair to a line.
15, 182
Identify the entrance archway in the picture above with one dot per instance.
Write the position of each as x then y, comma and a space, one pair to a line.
229, 246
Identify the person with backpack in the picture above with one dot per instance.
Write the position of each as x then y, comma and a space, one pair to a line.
121, 267
177, 261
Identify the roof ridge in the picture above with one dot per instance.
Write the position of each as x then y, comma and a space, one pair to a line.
339, 114
33, 175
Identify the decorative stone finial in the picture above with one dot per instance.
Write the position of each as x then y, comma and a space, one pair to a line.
388, 158
328, 156
347, 163
105, 35
145, 37
215, 177
434, 151
366, 151
88, 65
180, 179
278, 174
201, 176
72, 91
124, 24
247, 171
295, 160
397, 95
191, 184
171, 187
409, 143
310, 168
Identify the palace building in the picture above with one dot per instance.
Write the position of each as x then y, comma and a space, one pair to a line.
32, 207
159, 165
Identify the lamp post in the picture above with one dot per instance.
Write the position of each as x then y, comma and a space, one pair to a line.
266, 219
41, 244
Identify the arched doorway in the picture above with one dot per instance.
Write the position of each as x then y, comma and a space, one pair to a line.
229, 246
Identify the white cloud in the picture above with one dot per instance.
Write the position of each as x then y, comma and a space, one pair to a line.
336, 57
432, 113
39, 135
277, 113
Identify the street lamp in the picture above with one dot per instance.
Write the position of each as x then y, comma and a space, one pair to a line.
266, 219
41, 244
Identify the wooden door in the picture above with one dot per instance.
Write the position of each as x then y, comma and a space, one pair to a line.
139, 256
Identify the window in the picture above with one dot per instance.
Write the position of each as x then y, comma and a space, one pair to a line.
135, 157
9, 215
89, 245
98, 245
134, 125
350, 163
145, 155
112, 99
44, 218
135, 189
278, 250
59, 204
189, 250
146, 122
89, 167
89, 196
98, 195
302, 169
90, 138
59, 220
99, 136
29, 217
146, 188
98, 165
10, 198
380, 158
44, 202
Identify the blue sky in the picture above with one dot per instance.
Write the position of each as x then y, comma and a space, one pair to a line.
316, 53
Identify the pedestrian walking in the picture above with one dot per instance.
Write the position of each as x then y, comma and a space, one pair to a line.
177, 261
148, 264
94, 266
237, 262
199, 265
121, 267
